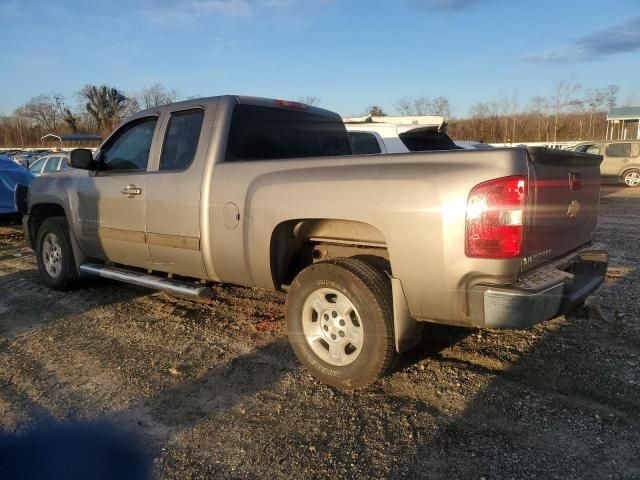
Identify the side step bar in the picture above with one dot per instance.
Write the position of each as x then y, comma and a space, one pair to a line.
133, 277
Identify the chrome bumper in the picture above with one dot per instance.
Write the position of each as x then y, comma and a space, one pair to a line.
542, 294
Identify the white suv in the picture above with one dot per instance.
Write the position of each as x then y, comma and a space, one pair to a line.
402, 134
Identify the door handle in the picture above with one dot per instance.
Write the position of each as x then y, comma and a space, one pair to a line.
131, 190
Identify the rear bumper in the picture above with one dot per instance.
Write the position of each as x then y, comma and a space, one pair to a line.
542, 294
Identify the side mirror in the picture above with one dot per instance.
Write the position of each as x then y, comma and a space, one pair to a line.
82, 158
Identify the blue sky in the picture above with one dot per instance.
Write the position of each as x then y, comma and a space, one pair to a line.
350, 53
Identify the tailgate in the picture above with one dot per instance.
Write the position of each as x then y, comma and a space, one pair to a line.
564, 196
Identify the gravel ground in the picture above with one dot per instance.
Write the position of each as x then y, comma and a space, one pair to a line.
213, 390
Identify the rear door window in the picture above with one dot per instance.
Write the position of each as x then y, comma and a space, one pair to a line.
619, 150
181, 140
52, 165
270, 133
364, 143
593, 149
584, 148
36, 167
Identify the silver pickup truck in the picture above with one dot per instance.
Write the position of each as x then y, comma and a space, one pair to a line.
265, 193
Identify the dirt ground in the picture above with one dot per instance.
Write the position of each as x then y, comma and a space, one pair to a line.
213, 390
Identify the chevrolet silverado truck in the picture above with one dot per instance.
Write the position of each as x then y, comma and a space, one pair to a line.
267, 193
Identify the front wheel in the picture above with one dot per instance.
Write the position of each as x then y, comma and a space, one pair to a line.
55, 258
631, 178
339, 319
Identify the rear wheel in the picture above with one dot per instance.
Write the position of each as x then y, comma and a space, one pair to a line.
340, 322
631, 178
55, 257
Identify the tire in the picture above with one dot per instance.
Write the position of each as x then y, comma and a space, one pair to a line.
631, 178
339, 318
56, 264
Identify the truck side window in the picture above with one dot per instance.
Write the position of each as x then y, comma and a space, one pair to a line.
364, 143
129, 148
181, 140
619, 150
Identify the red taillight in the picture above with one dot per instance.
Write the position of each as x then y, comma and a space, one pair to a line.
290, 104
495, 218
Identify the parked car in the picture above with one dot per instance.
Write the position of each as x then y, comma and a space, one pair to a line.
11, 174
266, 193
52, 163
621, 162
24, 159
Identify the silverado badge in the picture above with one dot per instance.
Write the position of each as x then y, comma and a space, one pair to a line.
574, 208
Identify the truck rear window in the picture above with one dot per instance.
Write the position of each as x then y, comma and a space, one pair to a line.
266, 133
423, 140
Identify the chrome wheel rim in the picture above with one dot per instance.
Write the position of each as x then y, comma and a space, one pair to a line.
52, 255
632, 179
332, 327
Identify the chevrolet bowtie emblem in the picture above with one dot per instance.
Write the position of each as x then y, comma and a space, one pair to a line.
574, 208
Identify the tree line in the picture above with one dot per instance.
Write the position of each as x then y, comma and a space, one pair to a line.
568, 112
97, 110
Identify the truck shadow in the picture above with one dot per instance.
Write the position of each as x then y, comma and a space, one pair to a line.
21, 288
434, 339
563, 409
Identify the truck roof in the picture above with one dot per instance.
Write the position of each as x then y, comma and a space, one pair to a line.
243, 99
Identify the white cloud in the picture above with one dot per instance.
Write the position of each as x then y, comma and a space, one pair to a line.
621, 38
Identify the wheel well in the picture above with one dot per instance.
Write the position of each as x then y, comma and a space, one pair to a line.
626, 170
38, 214
296, 244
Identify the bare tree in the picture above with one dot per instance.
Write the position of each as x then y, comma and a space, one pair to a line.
562, 95
45, 111
422, 105
156, 95
611, 96
404, 106
578, 107
441, 106
310, 100
479, 113
539, 107
132, 106
20, 122
595, 98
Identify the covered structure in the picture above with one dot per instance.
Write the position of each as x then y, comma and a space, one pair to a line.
73, 141
623, 123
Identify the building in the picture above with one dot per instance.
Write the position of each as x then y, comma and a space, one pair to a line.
623, 123
68, 142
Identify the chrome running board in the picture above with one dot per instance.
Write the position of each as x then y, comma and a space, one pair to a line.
133, 277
